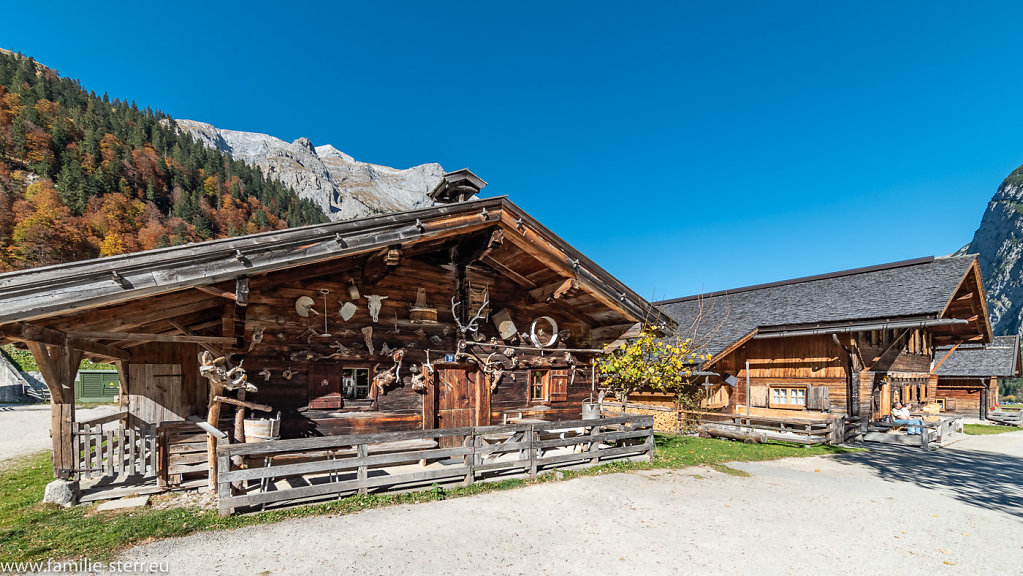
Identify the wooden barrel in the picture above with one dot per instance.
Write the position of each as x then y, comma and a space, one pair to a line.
262, 429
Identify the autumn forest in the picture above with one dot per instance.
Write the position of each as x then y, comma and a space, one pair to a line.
82, 176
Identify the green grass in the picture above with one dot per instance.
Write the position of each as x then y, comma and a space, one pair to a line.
32, 531
985, 429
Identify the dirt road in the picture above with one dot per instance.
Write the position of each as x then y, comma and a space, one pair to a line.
956, 511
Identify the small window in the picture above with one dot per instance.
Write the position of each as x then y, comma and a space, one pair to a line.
788, 397
538, 385
355, 383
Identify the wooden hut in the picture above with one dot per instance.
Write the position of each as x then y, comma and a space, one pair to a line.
968, 374
825, 351
463, 314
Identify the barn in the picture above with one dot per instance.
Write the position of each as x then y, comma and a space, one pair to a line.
460, 316
820, 358
968, 377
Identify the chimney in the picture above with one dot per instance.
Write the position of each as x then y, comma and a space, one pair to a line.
458, 186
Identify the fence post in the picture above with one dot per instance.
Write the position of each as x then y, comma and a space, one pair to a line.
469, 460
595, 433
925, 436
532, 451
223, 486
77, 439
362, 452
651, 445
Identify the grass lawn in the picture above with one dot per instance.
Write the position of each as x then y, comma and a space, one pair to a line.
984, 429
31, 531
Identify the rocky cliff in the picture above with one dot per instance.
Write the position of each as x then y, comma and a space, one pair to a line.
999, 246
343, 187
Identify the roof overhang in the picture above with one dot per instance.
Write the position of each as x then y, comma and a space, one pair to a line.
64, 288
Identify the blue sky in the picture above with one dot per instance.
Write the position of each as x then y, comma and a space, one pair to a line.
684, 146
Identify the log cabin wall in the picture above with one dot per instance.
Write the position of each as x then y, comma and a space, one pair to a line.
968, 396
824, 369
294, 344
801, 362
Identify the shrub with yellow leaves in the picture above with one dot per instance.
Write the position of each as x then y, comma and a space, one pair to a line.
654, 363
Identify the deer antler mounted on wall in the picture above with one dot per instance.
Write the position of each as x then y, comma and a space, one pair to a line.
495, 370
222, 377
473, 324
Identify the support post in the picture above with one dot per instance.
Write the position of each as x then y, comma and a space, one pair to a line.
213, 418
59, 365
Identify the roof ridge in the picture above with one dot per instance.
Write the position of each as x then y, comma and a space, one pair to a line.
813, 278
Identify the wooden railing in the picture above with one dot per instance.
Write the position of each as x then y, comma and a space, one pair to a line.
940, 430
853, 428
764, 428
116, 445
305, 469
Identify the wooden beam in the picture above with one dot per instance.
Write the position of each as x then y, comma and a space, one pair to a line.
24, 332
182, 339
219, 293
554, 291
511, 274
243, 403
208, 428
945, 357
216, 351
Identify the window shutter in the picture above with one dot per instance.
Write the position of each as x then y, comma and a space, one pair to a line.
758, 396
558, 385
817, 398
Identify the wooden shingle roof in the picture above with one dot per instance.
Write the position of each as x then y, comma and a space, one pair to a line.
999, 359
50, 291
910, 289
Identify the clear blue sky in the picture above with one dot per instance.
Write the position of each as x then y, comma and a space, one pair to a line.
685, 147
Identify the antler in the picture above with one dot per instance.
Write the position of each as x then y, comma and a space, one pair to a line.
471, 325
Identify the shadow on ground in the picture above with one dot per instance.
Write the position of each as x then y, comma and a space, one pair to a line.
984, 479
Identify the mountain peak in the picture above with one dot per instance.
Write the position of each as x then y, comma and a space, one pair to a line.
342, 186
305, 143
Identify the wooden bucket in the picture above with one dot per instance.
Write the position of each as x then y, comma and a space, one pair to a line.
423, 315
262, 429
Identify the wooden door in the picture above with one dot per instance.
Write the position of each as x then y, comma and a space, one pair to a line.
463, 399
324, 387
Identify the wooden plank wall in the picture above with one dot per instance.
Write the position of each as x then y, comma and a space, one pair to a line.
966, 393
164, 383
805, 360
272, 309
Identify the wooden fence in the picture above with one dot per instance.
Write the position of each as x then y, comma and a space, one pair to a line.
288, 472
942, 430
115, 445
764, 428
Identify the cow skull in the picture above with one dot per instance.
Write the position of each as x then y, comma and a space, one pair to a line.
374, 306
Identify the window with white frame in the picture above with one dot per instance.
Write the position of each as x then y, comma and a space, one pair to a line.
791, 397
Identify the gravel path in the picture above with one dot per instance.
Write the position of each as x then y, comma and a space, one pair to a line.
892, 511
26, 427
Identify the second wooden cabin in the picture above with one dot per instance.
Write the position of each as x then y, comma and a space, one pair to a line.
840, 347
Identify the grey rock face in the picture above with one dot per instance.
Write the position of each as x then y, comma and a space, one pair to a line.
343, 187
999, 246
61, 492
